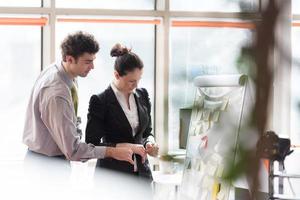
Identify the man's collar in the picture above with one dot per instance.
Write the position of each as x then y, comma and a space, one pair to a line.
64, 75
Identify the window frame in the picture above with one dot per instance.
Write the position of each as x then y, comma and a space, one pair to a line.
162, 49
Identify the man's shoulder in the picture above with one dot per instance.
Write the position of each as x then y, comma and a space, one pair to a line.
58, 90
48, 71
55, 88
52, 84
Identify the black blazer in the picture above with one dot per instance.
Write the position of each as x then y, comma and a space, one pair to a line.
107, 121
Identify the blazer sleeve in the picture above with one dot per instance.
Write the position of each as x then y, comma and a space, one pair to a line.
95, 122
147, 135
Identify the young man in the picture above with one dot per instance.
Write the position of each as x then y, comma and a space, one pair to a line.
50, 126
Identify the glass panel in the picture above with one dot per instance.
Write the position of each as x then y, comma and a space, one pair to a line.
141, 41
23, 3
20, 65
214, 5
295, 98
196, 51
296, 7
111, 4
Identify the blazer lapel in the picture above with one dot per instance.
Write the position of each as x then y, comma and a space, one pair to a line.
120, 115
141, 112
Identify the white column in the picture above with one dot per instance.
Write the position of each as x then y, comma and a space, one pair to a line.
282, 68
162, 78
48, 35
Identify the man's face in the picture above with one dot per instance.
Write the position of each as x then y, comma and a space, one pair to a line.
129, 82
82, 66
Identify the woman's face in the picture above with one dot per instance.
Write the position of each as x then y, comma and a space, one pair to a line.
128, 82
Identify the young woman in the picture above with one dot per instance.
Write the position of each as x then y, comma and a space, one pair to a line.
120, 116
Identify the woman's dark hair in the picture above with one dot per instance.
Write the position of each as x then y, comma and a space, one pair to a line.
126, 60
77, 44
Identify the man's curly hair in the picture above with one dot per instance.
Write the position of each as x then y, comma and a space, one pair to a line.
77, 44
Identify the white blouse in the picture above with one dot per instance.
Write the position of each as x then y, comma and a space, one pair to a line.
132, 113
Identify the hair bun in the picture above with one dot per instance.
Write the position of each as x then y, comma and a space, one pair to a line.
118, 50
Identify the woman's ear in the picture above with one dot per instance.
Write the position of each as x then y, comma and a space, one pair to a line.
116, 74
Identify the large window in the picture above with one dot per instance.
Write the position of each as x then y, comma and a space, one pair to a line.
295, 97
197, 51
20, 65
296, 7
139, 37
188, 50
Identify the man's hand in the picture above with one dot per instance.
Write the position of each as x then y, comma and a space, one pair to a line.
152, 149
136, 148
120, 153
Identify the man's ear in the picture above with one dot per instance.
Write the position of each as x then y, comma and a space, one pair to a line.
70, 59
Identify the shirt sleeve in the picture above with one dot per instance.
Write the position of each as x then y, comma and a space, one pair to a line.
57, 114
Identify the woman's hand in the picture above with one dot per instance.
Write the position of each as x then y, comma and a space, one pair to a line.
136, 148
152, 149
120, 153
